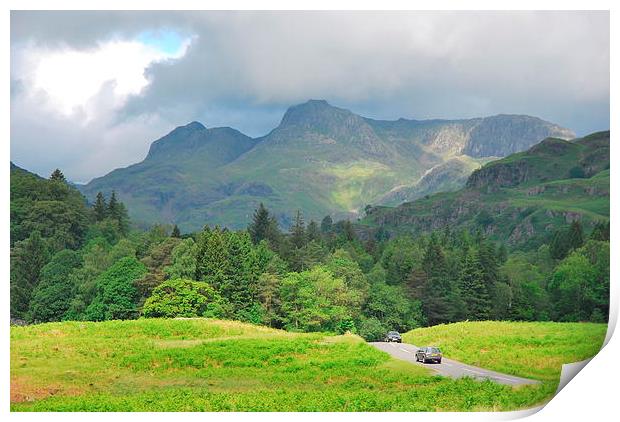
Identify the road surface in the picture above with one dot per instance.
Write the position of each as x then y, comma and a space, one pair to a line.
449, 367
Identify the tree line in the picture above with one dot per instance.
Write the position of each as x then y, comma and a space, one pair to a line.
73, 261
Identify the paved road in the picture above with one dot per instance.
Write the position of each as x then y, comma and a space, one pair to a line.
449, 367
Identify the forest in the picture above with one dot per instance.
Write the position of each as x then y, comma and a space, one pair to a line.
76, 261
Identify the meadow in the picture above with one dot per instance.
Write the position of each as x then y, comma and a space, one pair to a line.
528, 349
212, 365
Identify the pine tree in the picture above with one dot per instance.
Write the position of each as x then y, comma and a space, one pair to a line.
261, 224
575, 236
502, 254
113, 208
212, 260
473, 289
487, 258
27, 259
100, 207
564, 241
436, 290
123, 218
298, 231
327, 224
241, 289
175, 232
312, 232
58, 176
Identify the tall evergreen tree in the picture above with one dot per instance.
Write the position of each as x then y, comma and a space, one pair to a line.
122, 218
489, 267
175, 232
575, 236
240, 287
58, 176
473, 289
212, 260
327, 224
261, 224
566, 240
436, 289
298, 231
27, 258
113, 207
100, 207
312, 232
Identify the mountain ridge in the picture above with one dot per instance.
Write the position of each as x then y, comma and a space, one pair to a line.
320, 158
520, 199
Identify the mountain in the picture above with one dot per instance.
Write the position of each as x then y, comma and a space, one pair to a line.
320, 159
520, 199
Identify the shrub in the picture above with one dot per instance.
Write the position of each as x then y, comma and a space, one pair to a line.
371, 329
183, 298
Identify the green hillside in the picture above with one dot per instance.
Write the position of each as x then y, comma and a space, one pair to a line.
534, 350
211, 365
320, 158
520, 199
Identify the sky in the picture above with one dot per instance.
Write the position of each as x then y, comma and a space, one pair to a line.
91, 90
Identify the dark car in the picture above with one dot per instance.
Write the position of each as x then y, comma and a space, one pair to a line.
428, 354
393, 336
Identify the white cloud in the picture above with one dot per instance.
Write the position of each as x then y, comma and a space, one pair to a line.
70, 78
87, 96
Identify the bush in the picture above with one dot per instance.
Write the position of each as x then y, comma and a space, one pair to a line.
346, 326
371, 329
184, 298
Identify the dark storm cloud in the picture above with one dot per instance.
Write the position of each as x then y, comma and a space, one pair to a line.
244, 68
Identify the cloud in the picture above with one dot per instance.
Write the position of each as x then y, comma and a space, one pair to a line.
243, 69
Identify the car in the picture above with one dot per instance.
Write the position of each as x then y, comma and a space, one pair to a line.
393, 336
428, 354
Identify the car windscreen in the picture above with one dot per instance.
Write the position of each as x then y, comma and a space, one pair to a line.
433, 350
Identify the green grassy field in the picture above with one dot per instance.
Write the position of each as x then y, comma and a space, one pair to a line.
209, 365
528, 349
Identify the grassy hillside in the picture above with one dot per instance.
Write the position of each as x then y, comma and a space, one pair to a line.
200, 365
528, 349
520, 199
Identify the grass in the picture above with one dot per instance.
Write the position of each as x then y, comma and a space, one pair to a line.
534, 350
210, 365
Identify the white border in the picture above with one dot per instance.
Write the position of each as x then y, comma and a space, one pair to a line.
590, 395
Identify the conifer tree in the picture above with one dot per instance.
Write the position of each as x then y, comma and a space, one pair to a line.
298, 231
58, 176
100, 207
260, 226
473, 289
312, 231
113, 208
27, 259
327, 224
436, 290
175, 232
212, 260
575, 236
489, 267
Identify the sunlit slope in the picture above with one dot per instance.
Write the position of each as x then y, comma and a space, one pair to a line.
211, 365
534, 350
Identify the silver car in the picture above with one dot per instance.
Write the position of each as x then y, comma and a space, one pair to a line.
428, 354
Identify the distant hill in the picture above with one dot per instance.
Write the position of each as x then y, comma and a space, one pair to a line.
320, 159
520, 199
